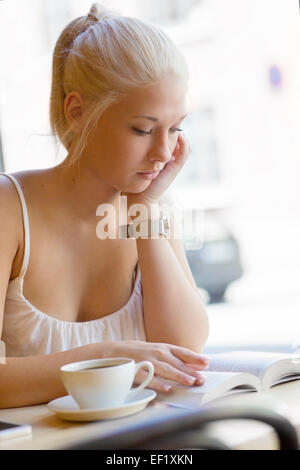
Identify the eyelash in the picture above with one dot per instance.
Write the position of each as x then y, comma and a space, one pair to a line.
143, 133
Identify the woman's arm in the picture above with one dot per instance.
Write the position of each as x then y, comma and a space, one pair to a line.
173, 309
34, 380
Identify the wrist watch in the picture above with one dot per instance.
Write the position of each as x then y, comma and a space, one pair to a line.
149, 228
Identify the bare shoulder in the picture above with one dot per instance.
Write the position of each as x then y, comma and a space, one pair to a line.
29, 178
11, 220
10, 205
9, 201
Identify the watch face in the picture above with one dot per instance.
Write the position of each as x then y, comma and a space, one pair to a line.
164, 216
165, 225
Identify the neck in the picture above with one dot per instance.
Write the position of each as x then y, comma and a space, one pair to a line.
83, 189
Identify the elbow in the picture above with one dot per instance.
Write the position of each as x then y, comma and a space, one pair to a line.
198, 336
203, 333
5, 398
205, 330
203, 339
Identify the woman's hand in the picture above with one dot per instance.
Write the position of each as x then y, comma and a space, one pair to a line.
158, 186
170, 362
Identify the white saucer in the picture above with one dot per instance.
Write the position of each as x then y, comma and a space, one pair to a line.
67, 408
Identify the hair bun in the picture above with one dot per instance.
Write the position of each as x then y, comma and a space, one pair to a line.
97, 11
94, 12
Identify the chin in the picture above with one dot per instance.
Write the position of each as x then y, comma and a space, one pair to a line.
136, 188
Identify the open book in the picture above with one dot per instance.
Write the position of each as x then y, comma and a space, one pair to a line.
235, 372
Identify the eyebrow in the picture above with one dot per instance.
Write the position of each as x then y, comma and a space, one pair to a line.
154, 119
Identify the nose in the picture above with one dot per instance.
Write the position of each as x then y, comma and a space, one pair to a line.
160, 151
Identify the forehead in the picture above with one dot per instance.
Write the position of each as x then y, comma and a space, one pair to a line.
163, 100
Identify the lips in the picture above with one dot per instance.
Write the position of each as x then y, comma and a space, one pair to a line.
148, 176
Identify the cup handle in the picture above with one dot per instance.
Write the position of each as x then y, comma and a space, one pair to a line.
147, 380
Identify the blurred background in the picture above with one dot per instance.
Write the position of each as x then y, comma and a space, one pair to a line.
244, 130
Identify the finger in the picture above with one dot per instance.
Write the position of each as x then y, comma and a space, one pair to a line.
195, 367
165, 355
189, 369
187, 366
180, 148
188, 356
167, 371
155, 384
184, 143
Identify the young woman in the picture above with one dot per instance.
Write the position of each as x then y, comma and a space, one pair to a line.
118, 99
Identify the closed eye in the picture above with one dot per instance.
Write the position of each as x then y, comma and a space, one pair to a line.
142, 133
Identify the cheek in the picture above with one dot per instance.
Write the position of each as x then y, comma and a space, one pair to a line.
132, 152
119, 162
123, 152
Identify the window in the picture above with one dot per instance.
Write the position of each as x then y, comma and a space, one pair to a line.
167, 11
203, 167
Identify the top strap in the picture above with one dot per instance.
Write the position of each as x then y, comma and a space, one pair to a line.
26, 224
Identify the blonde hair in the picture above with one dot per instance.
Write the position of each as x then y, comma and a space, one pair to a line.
103, 56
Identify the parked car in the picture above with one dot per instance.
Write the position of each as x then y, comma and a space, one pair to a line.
217, 263
212, 250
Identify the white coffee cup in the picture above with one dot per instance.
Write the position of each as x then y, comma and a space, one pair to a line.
102, 383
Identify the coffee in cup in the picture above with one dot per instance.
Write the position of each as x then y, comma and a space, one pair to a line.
103, 383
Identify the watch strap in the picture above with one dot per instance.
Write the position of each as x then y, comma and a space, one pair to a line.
150, 228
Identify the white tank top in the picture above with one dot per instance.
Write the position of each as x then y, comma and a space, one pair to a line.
27, 331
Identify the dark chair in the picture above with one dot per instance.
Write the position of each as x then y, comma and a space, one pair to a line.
188, 431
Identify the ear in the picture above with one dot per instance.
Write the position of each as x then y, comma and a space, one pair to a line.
73, 108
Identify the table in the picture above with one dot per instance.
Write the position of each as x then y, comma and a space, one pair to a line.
49, 432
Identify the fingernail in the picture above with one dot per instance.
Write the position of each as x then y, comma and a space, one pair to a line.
167, 388
199, 378
190, 380
200, 381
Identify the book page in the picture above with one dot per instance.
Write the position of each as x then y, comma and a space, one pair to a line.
253, 362
216, 384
